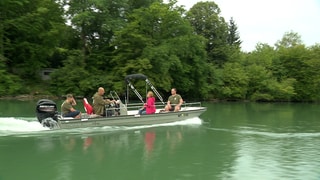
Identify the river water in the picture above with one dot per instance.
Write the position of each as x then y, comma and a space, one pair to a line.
229, 141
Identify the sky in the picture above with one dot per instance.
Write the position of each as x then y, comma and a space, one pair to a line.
266, 21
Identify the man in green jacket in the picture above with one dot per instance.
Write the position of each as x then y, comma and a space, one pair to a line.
99, 102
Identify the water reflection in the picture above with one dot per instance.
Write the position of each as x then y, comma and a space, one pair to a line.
68, 143
149, 138
274, 117
64, 168
274, 155
168, 141
240, 141
145, 147
174, 138
152, 144
266, 140
87, 141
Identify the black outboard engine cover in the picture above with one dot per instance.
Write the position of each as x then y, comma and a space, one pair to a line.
46, 109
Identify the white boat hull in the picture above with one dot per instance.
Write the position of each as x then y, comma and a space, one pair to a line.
131, 120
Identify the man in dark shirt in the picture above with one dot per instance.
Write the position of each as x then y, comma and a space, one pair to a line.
174, 101
67, 107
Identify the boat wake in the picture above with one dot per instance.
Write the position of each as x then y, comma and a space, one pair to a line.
11, 126
191, 121
281, 134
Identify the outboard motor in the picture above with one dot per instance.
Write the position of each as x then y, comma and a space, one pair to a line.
47, 113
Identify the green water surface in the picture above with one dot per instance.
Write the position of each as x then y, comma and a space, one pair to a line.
232, 141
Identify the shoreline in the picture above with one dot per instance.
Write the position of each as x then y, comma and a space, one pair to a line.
28, 97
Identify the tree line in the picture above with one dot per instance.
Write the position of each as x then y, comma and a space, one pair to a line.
93, 43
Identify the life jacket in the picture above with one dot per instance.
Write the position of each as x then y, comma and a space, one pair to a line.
87, 106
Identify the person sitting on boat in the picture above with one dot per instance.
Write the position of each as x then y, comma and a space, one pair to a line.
67, 107
174, 101
99, 102
149, 107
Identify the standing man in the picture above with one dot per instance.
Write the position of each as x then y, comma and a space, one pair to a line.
174, 101
67, 108
99, 103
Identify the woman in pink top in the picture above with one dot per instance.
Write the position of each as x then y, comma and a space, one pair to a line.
149, 107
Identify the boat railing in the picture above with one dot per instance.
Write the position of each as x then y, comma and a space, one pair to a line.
132, 108
159, 105
191, 104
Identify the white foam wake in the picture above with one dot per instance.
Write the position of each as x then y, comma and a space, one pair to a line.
11, 124
22, 126
191, 121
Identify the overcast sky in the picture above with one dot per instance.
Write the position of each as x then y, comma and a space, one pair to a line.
266, 21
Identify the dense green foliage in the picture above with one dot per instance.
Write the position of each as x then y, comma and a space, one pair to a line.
92, 43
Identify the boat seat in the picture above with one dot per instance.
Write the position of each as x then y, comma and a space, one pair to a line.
87, 107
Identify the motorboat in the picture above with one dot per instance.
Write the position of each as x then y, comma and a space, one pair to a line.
119, 113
